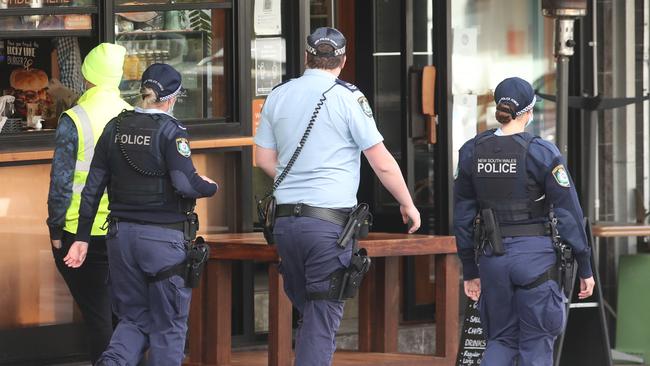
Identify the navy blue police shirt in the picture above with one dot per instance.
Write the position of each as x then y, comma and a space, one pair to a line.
179, 165
546, 166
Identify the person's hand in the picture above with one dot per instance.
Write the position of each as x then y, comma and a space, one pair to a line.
77, 254
207, 179
56, 243
411, 216
586, 287
473, 288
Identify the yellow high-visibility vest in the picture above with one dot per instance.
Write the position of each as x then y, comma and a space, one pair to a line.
95, 108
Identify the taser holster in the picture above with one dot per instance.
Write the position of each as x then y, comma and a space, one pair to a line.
487, 233
191, 268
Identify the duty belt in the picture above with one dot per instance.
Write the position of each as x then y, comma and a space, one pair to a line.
174, 226
335, 216
526, 230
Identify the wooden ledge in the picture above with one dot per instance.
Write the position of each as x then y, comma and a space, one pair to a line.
20, 156
348, 358
611, 230
252, 246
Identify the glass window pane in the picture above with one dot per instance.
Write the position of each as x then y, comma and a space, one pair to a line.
46, 22
486, 52
195, 42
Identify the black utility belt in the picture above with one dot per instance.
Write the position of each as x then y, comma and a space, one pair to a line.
174, 226
525, 230
333, 215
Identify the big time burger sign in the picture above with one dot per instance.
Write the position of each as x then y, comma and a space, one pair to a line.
26, 83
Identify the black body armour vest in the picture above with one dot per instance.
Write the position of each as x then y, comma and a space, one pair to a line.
139, 177
501, 181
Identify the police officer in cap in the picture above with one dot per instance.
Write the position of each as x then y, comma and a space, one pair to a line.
521, 182
143, 159
322, 183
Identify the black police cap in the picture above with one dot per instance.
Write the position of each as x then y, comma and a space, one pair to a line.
518, 93
329, 36
163, 79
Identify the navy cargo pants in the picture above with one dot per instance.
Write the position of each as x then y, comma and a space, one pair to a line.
151, 315
521, 324
309, 254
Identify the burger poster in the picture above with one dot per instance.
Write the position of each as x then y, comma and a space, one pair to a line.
24, 72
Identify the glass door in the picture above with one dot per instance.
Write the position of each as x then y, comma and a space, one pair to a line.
402, 34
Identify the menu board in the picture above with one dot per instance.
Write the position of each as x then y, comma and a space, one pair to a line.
24, 70
472, 340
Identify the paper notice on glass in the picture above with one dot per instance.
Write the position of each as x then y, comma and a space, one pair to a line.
269, 57
267, 17
464, 119
465, 41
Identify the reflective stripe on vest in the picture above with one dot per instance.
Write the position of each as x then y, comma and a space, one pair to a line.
86, 140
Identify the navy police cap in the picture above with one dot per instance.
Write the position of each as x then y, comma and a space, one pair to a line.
329, 36
518, 93
163, 79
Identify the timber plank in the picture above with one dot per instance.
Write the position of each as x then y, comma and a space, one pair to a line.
349, 358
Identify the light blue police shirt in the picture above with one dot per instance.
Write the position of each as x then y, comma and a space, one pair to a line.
326, 174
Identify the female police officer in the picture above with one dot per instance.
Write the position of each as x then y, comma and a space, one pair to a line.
519, 181
143, 158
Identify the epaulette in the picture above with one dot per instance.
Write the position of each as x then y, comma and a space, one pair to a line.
350, 87
282, 83
178, 124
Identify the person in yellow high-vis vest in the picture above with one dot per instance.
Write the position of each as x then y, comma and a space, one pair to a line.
76, 135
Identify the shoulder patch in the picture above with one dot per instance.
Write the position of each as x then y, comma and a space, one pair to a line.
561, 176
345, 84
365, 107
183, 147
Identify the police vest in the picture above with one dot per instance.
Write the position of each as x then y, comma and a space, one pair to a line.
501, 181
139, 176
94, 109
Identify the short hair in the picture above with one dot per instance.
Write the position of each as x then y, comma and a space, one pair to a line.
324, 62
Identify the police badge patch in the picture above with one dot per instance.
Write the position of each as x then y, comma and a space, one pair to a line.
363, 102
561, 176
183, 147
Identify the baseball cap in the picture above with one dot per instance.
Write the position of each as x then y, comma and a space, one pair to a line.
517, 92
329, 36
163, 79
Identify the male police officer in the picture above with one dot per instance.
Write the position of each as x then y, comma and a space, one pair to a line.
143, 157
322, 183
78, 130
519, 188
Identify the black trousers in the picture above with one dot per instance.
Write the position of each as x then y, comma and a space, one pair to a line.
88, 285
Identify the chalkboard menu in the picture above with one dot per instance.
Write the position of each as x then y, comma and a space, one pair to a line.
472, 340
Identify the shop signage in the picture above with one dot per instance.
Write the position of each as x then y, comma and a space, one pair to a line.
34, 3
21, 53
472, 339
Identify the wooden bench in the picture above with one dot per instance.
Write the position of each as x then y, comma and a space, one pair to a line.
210, 315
